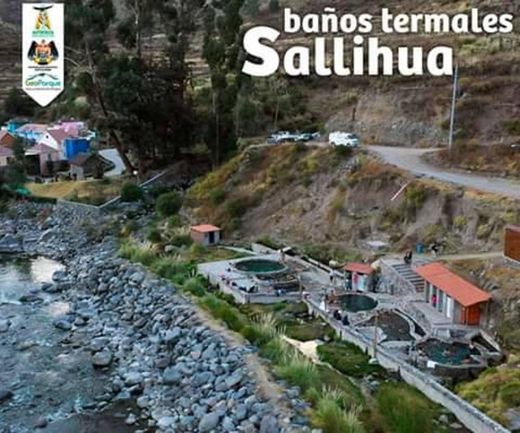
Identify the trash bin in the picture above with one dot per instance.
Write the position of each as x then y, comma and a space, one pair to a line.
419, 249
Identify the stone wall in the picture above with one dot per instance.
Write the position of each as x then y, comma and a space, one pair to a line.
78, 210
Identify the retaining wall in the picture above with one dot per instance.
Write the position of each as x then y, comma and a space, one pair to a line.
80, 210
467, 414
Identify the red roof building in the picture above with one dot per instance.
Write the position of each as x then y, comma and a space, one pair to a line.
6, 139
206, 234
453, 296
5, 156
512, 243
360, 268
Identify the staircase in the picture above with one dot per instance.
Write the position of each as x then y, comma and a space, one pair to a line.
406, 272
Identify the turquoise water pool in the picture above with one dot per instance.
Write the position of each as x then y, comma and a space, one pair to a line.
260, 266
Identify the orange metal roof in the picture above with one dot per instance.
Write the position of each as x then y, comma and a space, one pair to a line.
205, 228
513, 228
360, 268
458, 288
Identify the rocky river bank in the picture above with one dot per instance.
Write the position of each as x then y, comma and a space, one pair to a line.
109, 341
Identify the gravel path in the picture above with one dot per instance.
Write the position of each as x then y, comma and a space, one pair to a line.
411, 160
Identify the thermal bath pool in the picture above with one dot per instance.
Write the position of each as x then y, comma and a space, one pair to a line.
356, 303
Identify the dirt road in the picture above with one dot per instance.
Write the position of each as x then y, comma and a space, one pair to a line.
412, 161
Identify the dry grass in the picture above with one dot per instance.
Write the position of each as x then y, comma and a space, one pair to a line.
94, 191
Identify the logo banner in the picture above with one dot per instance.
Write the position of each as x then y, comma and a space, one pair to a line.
43, 51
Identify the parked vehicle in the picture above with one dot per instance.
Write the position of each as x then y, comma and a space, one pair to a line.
286, 136
308, 136
343, 139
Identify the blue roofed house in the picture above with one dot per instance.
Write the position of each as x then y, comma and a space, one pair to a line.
31, 132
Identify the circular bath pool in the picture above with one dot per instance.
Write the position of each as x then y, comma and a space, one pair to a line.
448, 353
260, 266
356, 303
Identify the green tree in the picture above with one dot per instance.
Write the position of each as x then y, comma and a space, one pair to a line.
251, 7
221, 51
18, 103
274, 5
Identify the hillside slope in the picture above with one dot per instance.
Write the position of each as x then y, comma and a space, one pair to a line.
317, 197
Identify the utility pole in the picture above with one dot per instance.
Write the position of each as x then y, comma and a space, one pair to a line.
374, 341
453, 107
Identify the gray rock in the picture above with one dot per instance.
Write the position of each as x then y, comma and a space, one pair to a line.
241, 412
29, 298
4, 325
102, 359
5, 394
133, 378
63, 324
171, 376
137, 278
172, 336
10, 245
269, 424
234, 379
41, 422
228, 425
209, 422
59, 276
166, 422
131, 419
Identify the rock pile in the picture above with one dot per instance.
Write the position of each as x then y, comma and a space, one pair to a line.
183, 376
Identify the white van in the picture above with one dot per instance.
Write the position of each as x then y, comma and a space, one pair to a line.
343, 139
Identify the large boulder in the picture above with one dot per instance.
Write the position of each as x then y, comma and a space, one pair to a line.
209, 422
102, 359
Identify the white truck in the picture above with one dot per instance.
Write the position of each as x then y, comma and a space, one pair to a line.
343, 139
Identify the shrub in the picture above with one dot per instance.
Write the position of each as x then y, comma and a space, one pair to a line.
415, 197
331, 418
195, 286
225, 312
158, 190
217, 196
175, 221
171, 268
404, 408
348, 359
343, 151
236, 208
154, 236
299, 371
181, 241
510, 394
131, 192
168, 204
145, 254
512, 126
460, 222
262, 330
276, 350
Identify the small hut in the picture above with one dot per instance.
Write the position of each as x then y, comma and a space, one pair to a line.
206, 234
359, 277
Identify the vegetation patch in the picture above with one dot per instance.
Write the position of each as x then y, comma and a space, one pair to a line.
95, 192
348, 359
405, 409
495, 391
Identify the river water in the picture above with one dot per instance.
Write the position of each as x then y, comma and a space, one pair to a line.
49, 374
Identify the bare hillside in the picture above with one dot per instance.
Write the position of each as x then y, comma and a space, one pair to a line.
315, 197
